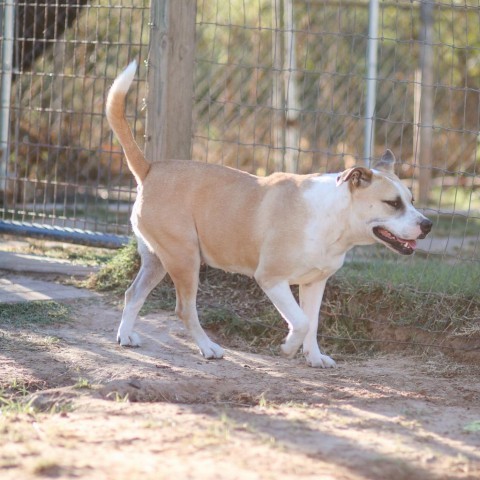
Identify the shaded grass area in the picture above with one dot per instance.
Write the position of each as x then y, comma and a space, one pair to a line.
41, 313
455, 225
17, 321
365, 299
414, 275
77, 254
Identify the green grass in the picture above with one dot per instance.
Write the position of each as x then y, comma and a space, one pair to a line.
421, 275
82, 383
117, 274
455, 225
39, 313
455, 198
15, 406
77, 254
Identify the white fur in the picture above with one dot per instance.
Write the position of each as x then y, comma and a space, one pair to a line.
124, 80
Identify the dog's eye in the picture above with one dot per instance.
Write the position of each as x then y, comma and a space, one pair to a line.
396, 204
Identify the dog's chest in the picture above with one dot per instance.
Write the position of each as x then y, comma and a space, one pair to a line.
315, 269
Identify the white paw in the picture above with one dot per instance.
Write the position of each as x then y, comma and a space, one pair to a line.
320, 361
292, 343
130, 340
288, 350
211, 350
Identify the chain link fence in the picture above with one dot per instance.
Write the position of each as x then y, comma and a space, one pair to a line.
60, 173
262, 107
278, 85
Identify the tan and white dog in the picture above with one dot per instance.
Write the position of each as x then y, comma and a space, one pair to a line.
282, 229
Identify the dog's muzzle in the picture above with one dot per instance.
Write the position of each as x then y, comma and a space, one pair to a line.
402, 245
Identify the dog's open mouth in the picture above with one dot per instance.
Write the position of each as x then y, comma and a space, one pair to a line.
400, 245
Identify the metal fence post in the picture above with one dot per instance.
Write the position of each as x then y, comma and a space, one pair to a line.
372, 52
424, 159
170, 79
278, 98
8, 32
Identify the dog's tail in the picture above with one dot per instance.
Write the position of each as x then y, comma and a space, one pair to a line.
116, 118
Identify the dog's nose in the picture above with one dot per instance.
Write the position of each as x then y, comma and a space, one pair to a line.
425, 226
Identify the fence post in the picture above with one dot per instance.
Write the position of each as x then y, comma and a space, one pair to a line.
292, 108
7, 24
170, 79
371, 95
424, 159
278, 106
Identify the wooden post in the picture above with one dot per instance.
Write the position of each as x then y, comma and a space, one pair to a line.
170, 79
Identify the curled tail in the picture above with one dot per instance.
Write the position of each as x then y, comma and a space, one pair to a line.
116, 118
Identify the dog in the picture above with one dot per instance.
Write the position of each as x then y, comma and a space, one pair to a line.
283, 229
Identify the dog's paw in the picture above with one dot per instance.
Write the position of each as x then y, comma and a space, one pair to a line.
288, 350
320, 361
211, 350
132, 340
292, 343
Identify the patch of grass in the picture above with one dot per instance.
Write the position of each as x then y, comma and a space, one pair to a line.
455, 225
18, 387
472, 427
83, 383
15, 406
13, 399
455, 197
41, 313
117, 274
77, 254
428, 275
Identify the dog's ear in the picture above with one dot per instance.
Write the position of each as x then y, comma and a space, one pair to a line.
356, 176
386, 163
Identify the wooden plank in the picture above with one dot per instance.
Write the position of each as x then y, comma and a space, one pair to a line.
170, 79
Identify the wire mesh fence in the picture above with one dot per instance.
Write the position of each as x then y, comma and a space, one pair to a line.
279, 85
246, 117
59, 167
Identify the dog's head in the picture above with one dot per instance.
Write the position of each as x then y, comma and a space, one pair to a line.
382, 206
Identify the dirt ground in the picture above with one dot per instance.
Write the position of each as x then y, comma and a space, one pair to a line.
162, 411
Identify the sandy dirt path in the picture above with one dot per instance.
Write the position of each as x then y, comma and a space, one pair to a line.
162, 411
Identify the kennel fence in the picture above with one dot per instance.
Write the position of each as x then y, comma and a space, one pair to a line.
278, 85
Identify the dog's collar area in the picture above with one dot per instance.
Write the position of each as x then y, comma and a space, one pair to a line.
400, 245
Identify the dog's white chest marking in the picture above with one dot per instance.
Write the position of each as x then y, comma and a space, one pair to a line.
325, 242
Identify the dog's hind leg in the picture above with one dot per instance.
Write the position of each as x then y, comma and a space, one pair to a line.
310, 300
150, 275
184, 271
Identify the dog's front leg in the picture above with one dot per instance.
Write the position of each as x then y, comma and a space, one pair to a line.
283, 299
311, 296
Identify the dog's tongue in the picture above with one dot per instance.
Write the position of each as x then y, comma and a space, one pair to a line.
410, 243
407, 243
